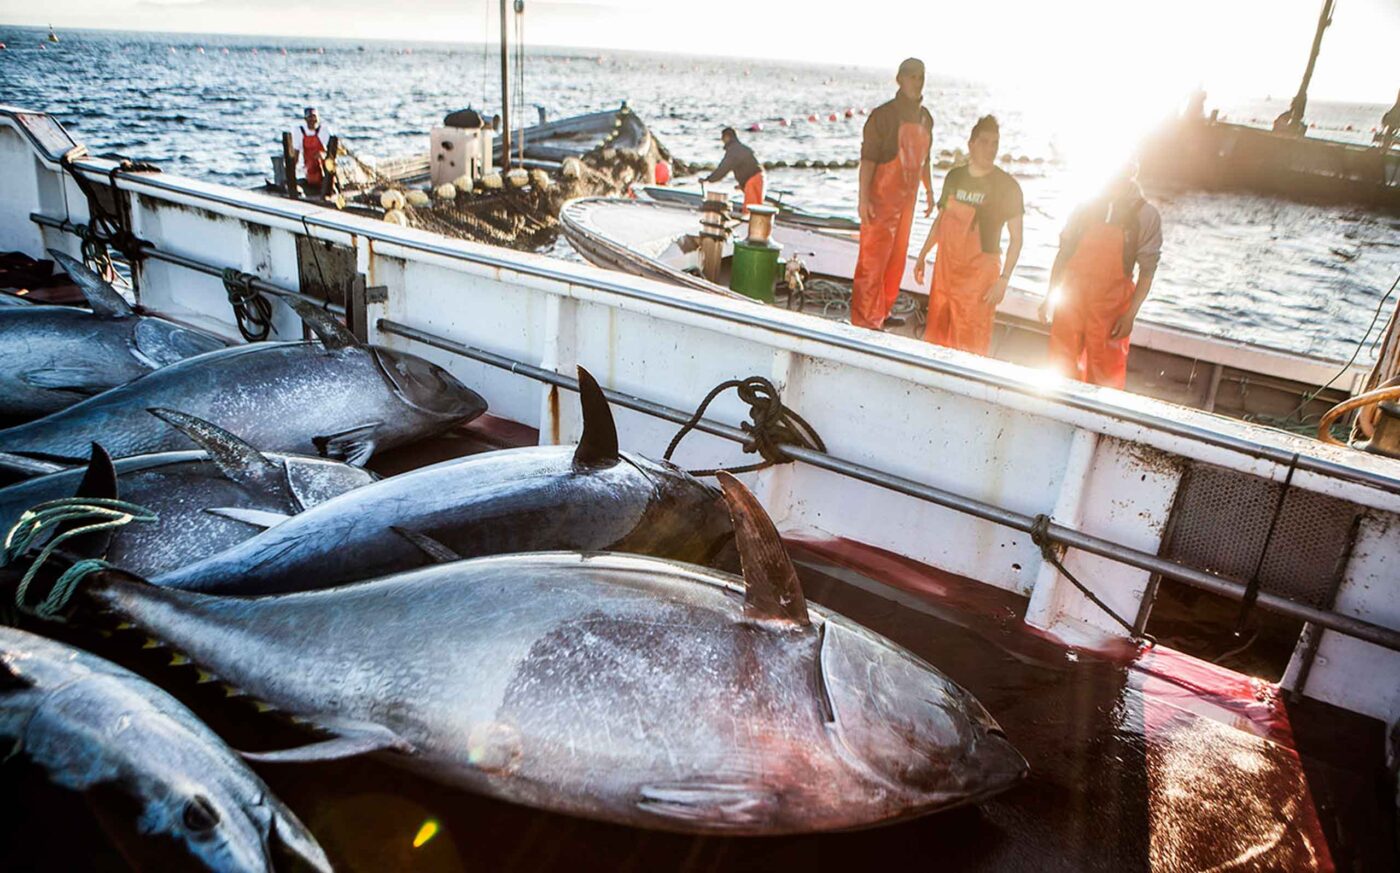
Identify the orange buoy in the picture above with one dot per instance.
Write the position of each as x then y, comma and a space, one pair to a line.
782, 122
662, 172
831, 117
755, 127
812, 117
850, 113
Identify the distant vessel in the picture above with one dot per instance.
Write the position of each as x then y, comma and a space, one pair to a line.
1197, 152
53, 37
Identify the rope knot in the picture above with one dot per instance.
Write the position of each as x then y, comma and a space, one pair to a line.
771, 425
252, 310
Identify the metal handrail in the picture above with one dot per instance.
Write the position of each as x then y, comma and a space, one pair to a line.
1214, 583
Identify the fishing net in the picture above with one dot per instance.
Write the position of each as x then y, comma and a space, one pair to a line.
518, 209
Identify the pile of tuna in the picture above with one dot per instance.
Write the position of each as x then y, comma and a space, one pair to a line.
554, 626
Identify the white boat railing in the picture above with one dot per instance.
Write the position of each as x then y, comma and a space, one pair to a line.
1105, 465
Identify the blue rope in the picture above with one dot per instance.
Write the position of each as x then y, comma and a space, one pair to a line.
106, 513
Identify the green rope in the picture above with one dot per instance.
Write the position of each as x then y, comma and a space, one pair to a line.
107, 514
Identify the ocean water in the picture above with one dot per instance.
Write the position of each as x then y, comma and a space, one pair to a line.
1306, 278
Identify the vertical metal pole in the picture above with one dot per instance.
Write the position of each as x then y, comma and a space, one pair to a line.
505, 87
1301, 101
356, 308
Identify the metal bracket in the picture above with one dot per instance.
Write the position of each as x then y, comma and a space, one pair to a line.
358, 297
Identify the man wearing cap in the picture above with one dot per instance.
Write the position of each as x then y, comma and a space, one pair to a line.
310, 147
739, 160
1096, 298
894, 159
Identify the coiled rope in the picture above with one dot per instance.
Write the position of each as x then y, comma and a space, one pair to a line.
105, 514
252, 310
105, 228
770, 425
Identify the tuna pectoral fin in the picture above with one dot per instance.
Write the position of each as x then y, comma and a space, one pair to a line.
101, 296
353, 446
256, 517
735, 804
86, 381
598, 446
19, 465
429, 546
350, 740
771, 588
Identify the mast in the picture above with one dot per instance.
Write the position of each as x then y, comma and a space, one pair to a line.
505, 88
1300, 102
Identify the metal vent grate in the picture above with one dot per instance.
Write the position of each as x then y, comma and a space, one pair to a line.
1221, 523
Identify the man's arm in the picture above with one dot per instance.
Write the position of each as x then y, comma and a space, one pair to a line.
865, 209
929, 242
1013, 254
1124, 325
928, 184
726, 166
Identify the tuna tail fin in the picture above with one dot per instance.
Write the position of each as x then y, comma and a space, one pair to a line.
772, 591
236, 459
101, 296
331, 333
598, 445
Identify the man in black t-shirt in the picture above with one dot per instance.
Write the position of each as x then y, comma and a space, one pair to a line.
979, 200
739, 160
894, 153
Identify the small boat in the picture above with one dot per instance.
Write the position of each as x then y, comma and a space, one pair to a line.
660, 240
53, 37
788, 213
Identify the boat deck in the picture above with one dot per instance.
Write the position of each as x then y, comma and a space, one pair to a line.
1139, 761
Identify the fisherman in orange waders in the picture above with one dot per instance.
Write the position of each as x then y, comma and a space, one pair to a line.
978, 200
739, 160
310, 146
894, 154
1098, 298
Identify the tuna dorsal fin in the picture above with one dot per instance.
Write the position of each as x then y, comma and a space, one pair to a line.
236, 459
10, 680
101, 296
772, 591
100, 478
440, 553
332, 333
598, 446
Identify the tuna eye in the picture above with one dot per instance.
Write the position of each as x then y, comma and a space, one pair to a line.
200, 815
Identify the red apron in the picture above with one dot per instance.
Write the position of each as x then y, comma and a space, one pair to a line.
1096, 293
884, 241
962, 273
753, 191
311, 151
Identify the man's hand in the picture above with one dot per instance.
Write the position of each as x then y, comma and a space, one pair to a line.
919, 269
928, 209
996, 292
866, 210
1123, 326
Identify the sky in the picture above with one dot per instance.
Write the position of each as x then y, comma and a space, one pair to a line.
1235, 48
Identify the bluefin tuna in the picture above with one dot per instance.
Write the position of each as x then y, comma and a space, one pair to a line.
179, 486
172, 795
590, 497
56, 356
615, 687
335, 398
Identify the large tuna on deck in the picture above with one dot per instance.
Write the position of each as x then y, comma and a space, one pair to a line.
171, 794
628, 689
334, 398
180, 486
56, 356
586, 498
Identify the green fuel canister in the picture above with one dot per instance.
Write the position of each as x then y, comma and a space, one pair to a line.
753, 271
